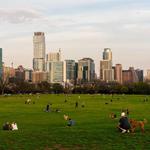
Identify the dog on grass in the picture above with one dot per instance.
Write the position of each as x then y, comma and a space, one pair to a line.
135, 124
66, 117
112, 115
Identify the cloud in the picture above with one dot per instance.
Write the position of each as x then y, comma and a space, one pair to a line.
16, 16
81, 28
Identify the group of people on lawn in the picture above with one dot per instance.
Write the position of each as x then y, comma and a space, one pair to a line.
10, 126
123, 126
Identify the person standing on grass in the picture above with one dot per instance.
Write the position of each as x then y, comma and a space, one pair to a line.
76, 104
124, 125
48, 108
127, 110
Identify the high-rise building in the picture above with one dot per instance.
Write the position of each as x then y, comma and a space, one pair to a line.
105, 68
76, 71
129, 76
55, 71
118, 73
39, 51
140, 74
134, 74
148, 75
107, 54
69, 70
106, 71
53, 56
54, 67
28, 75
20, 73
1, 63
86, 70
38, 77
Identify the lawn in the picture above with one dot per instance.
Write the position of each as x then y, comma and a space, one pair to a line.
93, 129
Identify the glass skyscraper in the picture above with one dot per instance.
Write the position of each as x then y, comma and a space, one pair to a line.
86, 69
69, 70
107, 54
39, 51
106, 71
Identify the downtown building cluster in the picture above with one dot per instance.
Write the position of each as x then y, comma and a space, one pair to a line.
110, 73
50, 68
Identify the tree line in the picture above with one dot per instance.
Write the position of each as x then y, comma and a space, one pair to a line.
85, 88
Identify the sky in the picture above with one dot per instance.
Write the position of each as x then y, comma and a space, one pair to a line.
81, 28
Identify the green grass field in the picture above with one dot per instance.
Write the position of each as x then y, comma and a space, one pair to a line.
93, 130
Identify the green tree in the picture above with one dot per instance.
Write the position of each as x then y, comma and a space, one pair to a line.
57, 88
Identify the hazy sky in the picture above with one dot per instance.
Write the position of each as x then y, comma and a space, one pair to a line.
81, 28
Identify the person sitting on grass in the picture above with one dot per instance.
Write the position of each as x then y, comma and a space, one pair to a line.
83, 105
58, 110
14, 126
28, 101
7, 126
70, 122
124, 125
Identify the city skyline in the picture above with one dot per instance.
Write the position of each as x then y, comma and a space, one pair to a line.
80, 29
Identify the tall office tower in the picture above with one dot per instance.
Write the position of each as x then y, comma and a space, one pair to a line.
53, 56
76, 71
107, 54
20, 73
148, 75
140, 74
118, 73
38, 77
54, 67
28, 75
69, 71
106, 71
129, 76
1, 63
39, 51
86, 70
55, 71
134, 75
126, 76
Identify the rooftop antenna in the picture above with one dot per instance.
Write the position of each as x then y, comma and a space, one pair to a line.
12, 64
59, 53
59, 50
